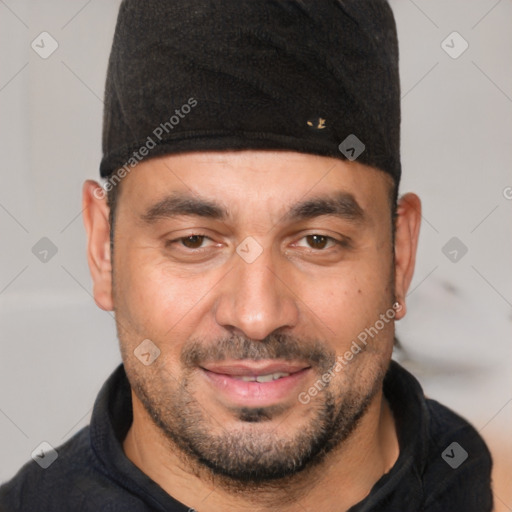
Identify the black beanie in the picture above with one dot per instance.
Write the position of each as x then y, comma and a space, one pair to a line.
314, 76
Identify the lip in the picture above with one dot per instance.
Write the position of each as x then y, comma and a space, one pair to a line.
236, 392
239, 368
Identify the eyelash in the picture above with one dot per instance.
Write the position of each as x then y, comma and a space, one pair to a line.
345, 243
181, 238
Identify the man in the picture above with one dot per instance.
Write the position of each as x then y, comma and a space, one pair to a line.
256, 257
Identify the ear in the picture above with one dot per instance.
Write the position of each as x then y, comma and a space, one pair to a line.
96, 220
406, 242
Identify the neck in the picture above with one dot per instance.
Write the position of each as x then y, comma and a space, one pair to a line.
343, 478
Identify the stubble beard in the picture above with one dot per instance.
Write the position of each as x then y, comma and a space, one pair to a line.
255, 456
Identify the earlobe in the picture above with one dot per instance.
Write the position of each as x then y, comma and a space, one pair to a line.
406, 242
96, 221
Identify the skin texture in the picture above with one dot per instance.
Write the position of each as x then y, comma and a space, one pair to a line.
302, 301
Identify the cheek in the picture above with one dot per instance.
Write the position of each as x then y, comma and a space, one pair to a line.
156, 300
351, 299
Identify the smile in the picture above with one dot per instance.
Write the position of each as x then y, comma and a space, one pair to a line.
256, 383
263, 378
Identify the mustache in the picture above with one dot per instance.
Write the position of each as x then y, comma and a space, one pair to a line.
275, 346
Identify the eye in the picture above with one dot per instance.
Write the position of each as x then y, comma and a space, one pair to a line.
193, 247
192, 241
319, 242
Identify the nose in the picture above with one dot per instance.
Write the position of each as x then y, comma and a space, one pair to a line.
256, 299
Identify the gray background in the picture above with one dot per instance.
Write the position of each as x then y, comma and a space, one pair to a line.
57, 347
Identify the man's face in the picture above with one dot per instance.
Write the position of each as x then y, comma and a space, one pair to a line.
254, 272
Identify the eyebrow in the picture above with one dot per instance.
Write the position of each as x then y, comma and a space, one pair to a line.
341, 204
183, 204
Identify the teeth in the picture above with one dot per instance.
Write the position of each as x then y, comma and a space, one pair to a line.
263, 378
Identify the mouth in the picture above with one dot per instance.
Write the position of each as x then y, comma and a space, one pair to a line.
263, 378
256, 383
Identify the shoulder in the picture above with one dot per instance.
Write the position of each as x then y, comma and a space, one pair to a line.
458, 465
66, 481
448, 461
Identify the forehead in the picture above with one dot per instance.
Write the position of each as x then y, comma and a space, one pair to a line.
243, 180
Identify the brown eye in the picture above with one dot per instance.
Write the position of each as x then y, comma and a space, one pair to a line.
317, 241
193, 241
